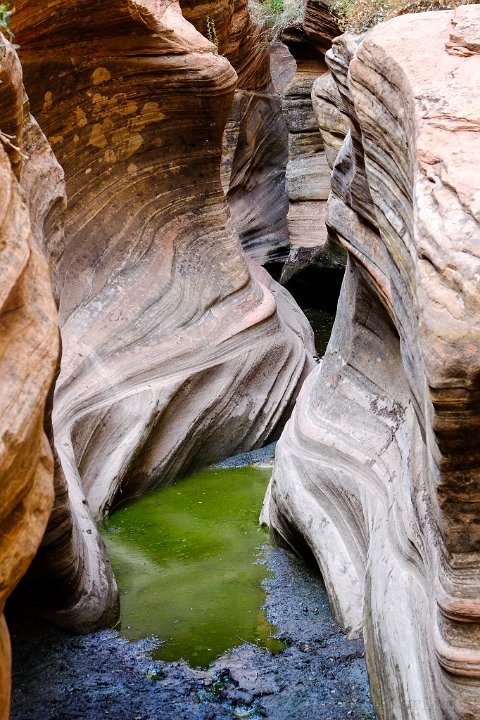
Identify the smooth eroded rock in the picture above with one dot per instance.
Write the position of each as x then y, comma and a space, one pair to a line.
377, 471
255, 140
312, 258
175, 354
28, 349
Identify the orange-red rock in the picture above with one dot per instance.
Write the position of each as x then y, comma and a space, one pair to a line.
320, 24
28, 352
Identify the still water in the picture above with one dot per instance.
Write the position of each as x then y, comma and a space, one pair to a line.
322, 323
186, 562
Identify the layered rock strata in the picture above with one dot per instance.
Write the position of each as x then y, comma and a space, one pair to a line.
255, 158
28, 343
313, 260
175, 353
376, 473
320, 24
255, 139
331, 115
256, 149
308, 174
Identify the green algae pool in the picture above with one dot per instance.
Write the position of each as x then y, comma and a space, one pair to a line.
186, 562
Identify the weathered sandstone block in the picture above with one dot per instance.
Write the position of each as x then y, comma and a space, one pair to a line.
308, 173
28, 347
295, 70
377, 472
174, 353
331, 116
320, 24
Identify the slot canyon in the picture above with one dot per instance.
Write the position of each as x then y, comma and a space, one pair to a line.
240, 354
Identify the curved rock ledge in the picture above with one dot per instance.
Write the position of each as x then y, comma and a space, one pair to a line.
377, 471
174, 353
320, 24
255, 149
28, 349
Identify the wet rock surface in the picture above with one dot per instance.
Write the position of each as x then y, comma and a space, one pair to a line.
320, 674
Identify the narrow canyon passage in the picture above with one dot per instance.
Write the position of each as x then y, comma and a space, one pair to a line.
215, 622
239, 360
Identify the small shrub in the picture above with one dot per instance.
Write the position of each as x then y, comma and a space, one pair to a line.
212, 32
276, 15
273, 10
5, 14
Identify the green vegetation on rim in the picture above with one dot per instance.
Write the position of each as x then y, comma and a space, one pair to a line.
276, 15
355, 16
212, 32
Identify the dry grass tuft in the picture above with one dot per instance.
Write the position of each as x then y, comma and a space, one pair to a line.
276, 15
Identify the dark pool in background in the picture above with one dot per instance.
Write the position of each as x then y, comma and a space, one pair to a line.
186, 562
322, 324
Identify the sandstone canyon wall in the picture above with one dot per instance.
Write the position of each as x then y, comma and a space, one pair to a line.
176, 351
376, 473
28, 337
255, 139
314, 268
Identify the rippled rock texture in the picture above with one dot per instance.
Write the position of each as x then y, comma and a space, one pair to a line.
308, 174
296, 64
175, 352
256, 147
255, 139
320, 24
28, 339
331, 116
377, 471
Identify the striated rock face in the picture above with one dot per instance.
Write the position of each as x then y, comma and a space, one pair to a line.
331, 116
308, 174
320, 24
255, 139
255, 157
175, 353
376, 473
313, 260
28, 343
256, 147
